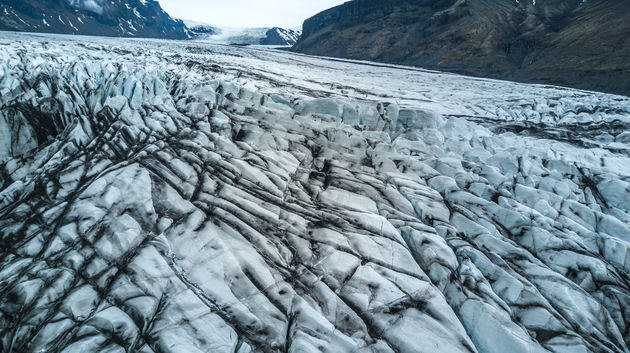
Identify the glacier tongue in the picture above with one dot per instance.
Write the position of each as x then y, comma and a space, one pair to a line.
183, 197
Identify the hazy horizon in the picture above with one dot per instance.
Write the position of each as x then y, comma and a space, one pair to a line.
248, 13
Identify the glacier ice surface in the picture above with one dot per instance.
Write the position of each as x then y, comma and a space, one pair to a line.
164, 196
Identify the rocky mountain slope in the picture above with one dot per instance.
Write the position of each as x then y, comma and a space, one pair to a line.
281, 37
119, 18
577, 43
187, 197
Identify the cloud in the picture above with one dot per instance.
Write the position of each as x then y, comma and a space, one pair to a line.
89, 5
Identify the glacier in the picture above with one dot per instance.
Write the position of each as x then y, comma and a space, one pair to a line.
166, 196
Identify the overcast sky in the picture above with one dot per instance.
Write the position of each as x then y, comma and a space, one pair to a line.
248, 13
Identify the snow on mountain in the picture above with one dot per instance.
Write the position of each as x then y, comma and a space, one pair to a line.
95, 6
281, 36
200, 29
118, 18
274, 36
185, 197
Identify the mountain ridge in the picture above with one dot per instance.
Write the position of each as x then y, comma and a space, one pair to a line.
115, 18
561, 42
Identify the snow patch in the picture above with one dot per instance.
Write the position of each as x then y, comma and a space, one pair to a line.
95, 6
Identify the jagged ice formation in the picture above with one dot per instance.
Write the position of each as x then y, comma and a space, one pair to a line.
184, 197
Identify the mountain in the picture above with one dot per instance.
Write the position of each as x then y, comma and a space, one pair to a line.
201, 29
116, 18
274, 36
173, 196
280, 36
584, 44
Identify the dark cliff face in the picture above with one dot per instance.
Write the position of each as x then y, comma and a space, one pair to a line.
119, 18
564, 42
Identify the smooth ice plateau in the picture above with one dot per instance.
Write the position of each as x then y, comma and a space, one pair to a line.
186, 197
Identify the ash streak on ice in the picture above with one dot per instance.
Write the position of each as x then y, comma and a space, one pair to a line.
184, 197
